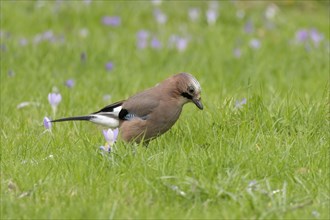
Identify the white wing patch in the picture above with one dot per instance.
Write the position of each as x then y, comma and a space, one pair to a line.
106, 121
117, 110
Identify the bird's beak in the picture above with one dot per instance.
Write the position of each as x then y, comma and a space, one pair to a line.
198, 103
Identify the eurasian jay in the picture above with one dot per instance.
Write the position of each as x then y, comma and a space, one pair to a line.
149, 113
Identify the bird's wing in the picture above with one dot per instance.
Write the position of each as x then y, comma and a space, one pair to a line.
140, 105
108, 116
114, 107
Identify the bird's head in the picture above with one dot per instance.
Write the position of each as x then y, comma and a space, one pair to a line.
189, 89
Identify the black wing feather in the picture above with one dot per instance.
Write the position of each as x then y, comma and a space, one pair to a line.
109, 108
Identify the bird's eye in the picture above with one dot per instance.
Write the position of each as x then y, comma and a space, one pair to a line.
191, 90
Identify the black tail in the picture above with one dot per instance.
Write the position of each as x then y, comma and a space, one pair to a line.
75, 118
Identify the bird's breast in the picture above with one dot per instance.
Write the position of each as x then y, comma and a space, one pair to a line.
161, 122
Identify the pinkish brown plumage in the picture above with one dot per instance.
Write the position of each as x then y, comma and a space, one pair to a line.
151, 112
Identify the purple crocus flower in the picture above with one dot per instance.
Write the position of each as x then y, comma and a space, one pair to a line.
211, 16
255, 43
248, 27
23, 41
302, 35
181, 44
48, 35
54, 99
47, 123
142, 39
109, 66
160, 17
193, 14
316, 37
70, 83
142, 34
271, 11
239, 104
110, 135
111, 21
155, 43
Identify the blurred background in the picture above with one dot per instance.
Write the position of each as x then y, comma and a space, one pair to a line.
259, 149
112, 49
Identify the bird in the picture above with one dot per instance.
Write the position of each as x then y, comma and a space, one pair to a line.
150, 113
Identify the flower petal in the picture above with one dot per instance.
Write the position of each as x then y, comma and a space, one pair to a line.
47, 123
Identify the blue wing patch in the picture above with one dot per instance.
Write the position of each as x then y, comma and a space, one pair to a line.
125, 115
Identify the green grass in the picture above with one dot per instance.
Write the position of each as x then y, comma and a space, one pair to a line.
268, 159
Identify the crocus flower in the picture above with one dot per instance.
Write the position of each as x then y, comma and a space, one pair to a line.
302, 35
111, 21
54, 99
315, 36
69, 83
48, 35
248, 27
181, 44
155, 43
143, 34
211, 16
47, 123
271, 11
316, 214
193, 14
23, 41
160, 17
239, 104
142, 39
305, 36
110, 137
109, 66
255, 43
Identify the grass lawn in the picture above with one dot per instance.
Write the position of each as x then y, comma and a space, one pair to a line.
259, 149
